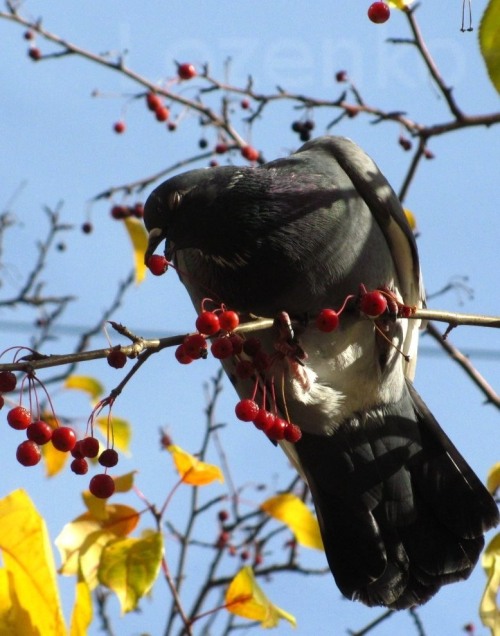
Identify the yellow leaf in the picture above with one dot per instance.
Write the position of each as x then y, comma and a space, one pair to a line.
85, 383
90, 556
130, 566
139, 237
293, 512
124, 483
192, 470
400, 4
14, 620
29, 564
81, 617
54, 460
122, 431
489, 41
488, 609
244, 597
493, 482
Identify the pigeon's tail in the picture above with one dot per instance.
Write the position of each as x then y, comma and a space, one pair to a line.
400, 510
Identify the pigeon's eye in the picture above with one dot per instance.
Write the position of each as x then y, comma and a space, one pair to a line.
174, 199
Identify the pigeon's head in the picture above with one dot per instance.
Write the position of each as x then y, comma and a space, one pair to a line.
202, 210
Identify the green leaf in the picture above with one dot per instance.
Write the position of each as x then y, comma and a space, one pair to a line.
489, 41
130, 566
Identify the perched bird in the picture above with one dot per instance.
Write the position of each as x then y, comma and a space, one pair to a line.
401, 513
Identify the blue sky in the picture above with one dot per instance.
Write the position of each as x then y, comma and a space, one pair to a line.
58, 142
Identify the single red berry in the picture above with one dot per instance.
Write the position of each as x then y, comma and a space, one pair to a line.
34, 53
245, 103
153, 101
79, 466
258, 559
263, 420
469, 628
186, 71
405, 311
223, 515
138, 210
19, 418
277, 429
404, 142
108, 458
63, 438
221, 148
229, 320
244, 555
39, 432
327, 320
379, 12
195, 345
171, 126
251, 346
116, 359
157, 264
428, 154
77, 450
29, 35
244, 369
208, 323
119, 212
203, 143
119, 127
292, 433
223, 539
213, 163
246, 410
87, 228
341, 76
8, 381
237, 342
162, 113
28, 453
250, 153
373, 304
222, 348
89, 447
182, 356
102, 486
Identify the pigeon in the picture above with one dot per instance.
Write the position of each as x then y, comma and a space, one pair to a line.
401, 513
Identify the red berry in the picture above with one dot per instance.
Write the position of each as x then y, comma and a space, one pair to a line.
8, 381
119, 212
157, 264
277, 429
29, 35
229, 320
116, 359
379, 12
292, 433
138, 210
237, 342
28, 453
244, 555
35, 53
251, 346
77, 450
153, 101
63, 438
327, 320
469, 628
108, 458
263, 420
119, 127
207, 323
182, 356
79, 466
341, 76
262, 361
428, 154
404, 142
373, 304
195, 345
250, 153
245, 103
89, 447
222, 348
87, 228
171, 126
244, 369
223, 539
102, 486
19, 418
162, 113
221, 148
39, 432
186, 71
246, 410
223, 515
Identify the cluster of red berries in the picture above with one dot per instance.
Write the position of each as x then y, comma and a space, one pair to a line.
275, 427
33, 52
379, 12
62, 438
224, 541
156, 105
120, 212
303, 129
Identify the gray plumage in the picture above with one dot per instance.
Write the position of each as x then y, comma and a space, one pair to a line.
400, 511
